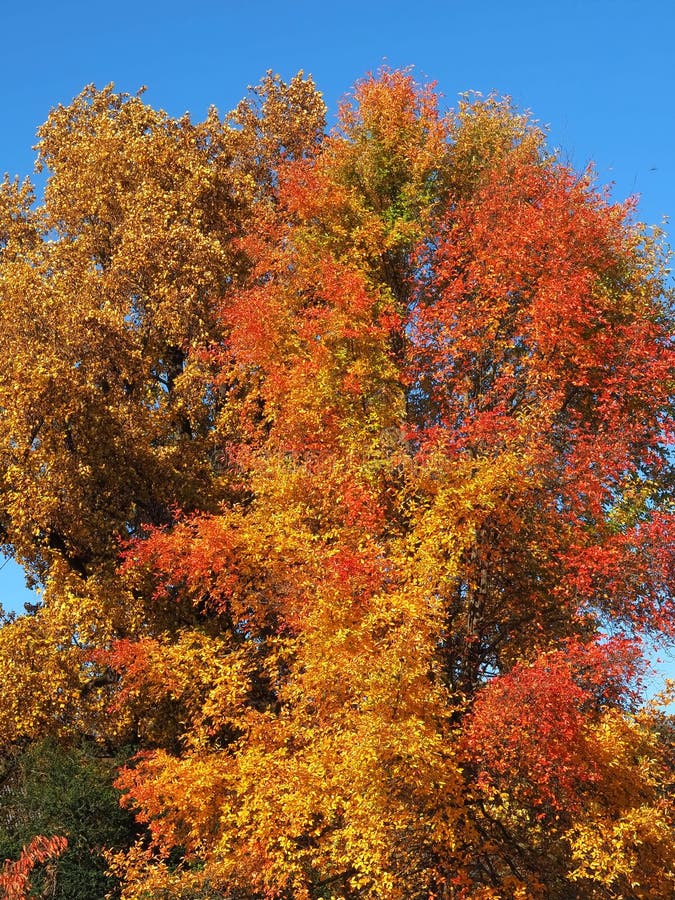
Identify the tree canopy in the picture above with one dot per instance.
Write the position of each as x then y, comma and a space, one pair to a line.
344, 461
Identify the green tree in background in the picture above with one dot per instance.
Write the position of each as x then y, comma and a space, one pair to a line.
53, 789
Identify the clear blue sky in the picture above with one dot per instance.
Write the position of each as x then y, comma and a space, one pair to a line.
599, 73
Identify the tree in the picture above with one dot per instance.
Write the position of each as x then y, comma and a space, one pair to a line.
109, 291
64, 791
383, 639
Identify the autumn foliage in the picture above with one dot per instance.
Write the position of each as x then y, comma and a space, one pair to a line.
15, 876
344, 459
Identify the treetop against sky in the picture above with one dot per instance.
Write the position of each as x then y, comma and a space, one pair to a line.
599, 73
343, 455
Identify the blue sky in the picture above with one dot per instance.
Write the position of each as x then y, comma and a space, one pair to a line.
599, 73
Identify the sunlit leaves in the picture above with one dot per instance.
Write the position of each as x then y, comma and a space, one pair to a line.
376, 422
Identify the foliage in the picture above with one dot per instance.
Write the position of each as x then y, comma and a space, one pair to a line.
53, 790
15, 876
380, 422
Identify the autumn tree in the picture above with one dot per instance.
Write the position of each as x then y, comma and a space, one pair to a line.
379, 420
109, 293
